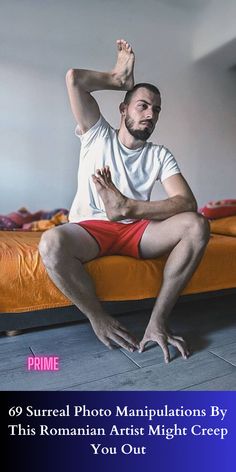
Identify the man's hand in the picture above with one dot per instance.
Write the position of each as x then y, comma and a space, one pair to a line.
162, 336
110, 331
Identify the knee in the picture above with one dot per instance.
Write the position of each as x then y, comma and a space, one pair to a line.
52, 247
198, 228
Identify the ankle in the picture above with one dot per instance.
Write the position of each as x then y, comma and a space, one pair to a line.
116, 80
128, 208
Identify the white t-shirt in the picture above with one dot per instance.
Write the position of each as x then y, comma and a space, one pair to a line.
133, 171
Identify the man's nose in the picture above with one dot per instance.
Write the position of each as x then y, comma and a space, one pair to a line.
149, 114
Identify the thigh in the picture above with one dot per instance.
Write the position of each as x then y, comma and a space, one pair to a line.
72, 239
160, 237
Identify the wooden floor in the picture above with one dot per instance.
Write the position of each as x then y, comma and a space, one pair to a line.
209, 326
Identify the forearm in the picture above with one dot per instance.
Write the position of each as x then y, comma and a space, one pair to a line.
158, 210
119, 78
92, 81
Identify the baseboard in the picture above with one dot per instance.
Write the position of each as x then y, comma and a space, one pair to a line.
71, 314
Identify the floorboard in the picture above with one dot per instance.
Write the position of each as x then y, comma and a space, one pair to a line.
209, 327
226, 352
224, 382
174, 376
74, 370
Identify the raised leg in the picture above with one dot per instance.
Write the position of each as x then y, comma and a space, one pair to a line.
64, 250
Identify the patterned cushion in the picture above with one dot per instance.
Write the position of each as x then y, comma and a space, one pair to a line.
219, 209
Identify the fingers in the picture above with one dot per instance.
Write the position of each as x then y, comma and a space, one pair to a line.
124, 334
165, 350
123, 338
115, 333
180, 344
107, 342
178, 337
142, 345
184, 343
122, 342
163, 340
162, 343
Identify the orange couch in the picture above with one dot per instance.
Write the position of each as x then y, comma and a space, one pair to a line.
26, 287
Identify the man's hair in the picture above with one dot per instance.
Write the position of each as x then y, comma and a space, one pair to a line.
150, 87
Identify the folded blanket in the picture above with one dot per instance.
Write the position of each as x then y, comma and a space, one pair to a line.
41, 220
41, 225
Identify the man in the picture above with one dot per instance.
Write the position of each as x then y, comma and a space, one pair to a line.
117, 217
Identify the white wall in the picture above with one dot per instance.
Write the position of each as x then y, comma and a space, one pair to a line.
216, 27
41, 40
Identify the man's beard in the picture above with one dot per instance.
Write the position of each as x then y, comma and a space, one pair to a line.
139, 134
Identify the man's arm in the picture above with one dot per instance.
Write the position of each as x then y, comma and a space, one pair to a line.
180, 199
80, 83
119, 207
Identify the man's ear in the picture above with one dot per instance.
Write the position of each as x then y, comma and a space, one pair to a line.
122, 108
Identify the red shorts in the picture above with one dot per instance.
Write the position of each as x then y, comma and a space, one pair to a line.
116, 238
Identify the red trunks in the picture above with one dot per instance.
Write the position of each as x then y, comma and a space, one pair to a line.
116, 238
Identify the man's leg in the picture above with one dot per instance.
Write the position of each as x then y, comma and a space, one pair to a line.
184, 237
64, 250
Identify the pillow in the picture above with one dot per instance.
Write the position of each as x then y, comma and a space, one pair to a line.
226, 226
219, 209
22, 218
17, 219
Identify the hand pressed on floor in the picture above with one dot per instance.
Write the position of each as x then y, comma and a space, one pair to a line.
111, 332
163, 337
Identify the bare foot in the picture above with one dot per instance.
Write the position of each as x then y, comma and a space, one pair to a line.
124, 68
114, 201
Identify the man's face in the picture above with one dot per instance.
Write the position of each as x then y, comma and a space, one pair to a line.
142, 113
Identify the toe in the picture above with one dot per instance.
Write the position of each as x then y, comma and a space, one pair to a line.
118, 42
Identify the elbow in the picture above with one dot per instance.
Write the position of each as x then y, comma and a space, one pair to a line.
72, 77
192, 205
186, 203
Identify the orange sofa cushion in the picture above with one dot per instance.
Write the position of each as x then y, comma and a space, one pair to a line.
226, 226
25, 285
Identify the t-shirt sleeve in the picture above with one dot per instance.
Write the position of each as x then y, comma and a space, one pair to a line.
96, 130
168, 163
